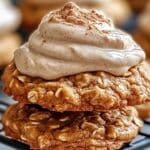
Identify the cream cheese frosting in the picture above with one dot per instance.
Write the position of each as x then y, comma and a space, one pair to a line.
10, 17
74, 40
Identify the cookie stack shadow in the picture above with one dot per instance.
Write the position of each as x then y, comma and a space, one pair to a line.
85, 111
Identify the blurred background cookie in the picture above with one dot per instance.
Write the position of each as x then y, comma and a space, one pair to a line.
138, 5
118, 10
142, 34
10, 19
144, 110
9, 42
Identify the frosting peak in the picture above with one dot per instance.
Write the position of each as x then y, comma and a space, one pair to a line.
74, 40
73, 14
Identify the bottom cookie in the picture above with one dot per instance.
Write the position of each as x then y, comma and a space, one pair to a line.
42, 129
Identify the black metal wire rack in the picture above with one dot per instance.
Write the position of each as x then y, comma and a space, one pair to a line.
142, 141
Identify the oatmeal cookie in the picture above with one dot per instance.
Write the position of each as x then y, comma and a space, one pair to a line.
42, 129
95, 91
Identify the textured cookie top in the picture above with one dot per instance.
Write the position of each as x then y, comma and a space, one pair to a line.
72, 40
44, 129
94, 91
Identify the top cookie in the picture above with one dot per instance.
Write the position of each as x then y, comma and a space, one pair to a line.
77, 60
95, 91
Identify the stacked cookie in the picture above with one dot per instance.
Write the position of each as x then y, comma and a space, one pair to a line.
75, 79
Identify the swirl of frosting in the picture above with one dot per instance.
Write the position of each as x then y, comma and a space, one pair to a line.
73, 40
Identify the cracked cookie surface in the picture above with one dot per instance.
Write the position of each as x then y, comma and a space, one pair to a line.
42, 129
95, 91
